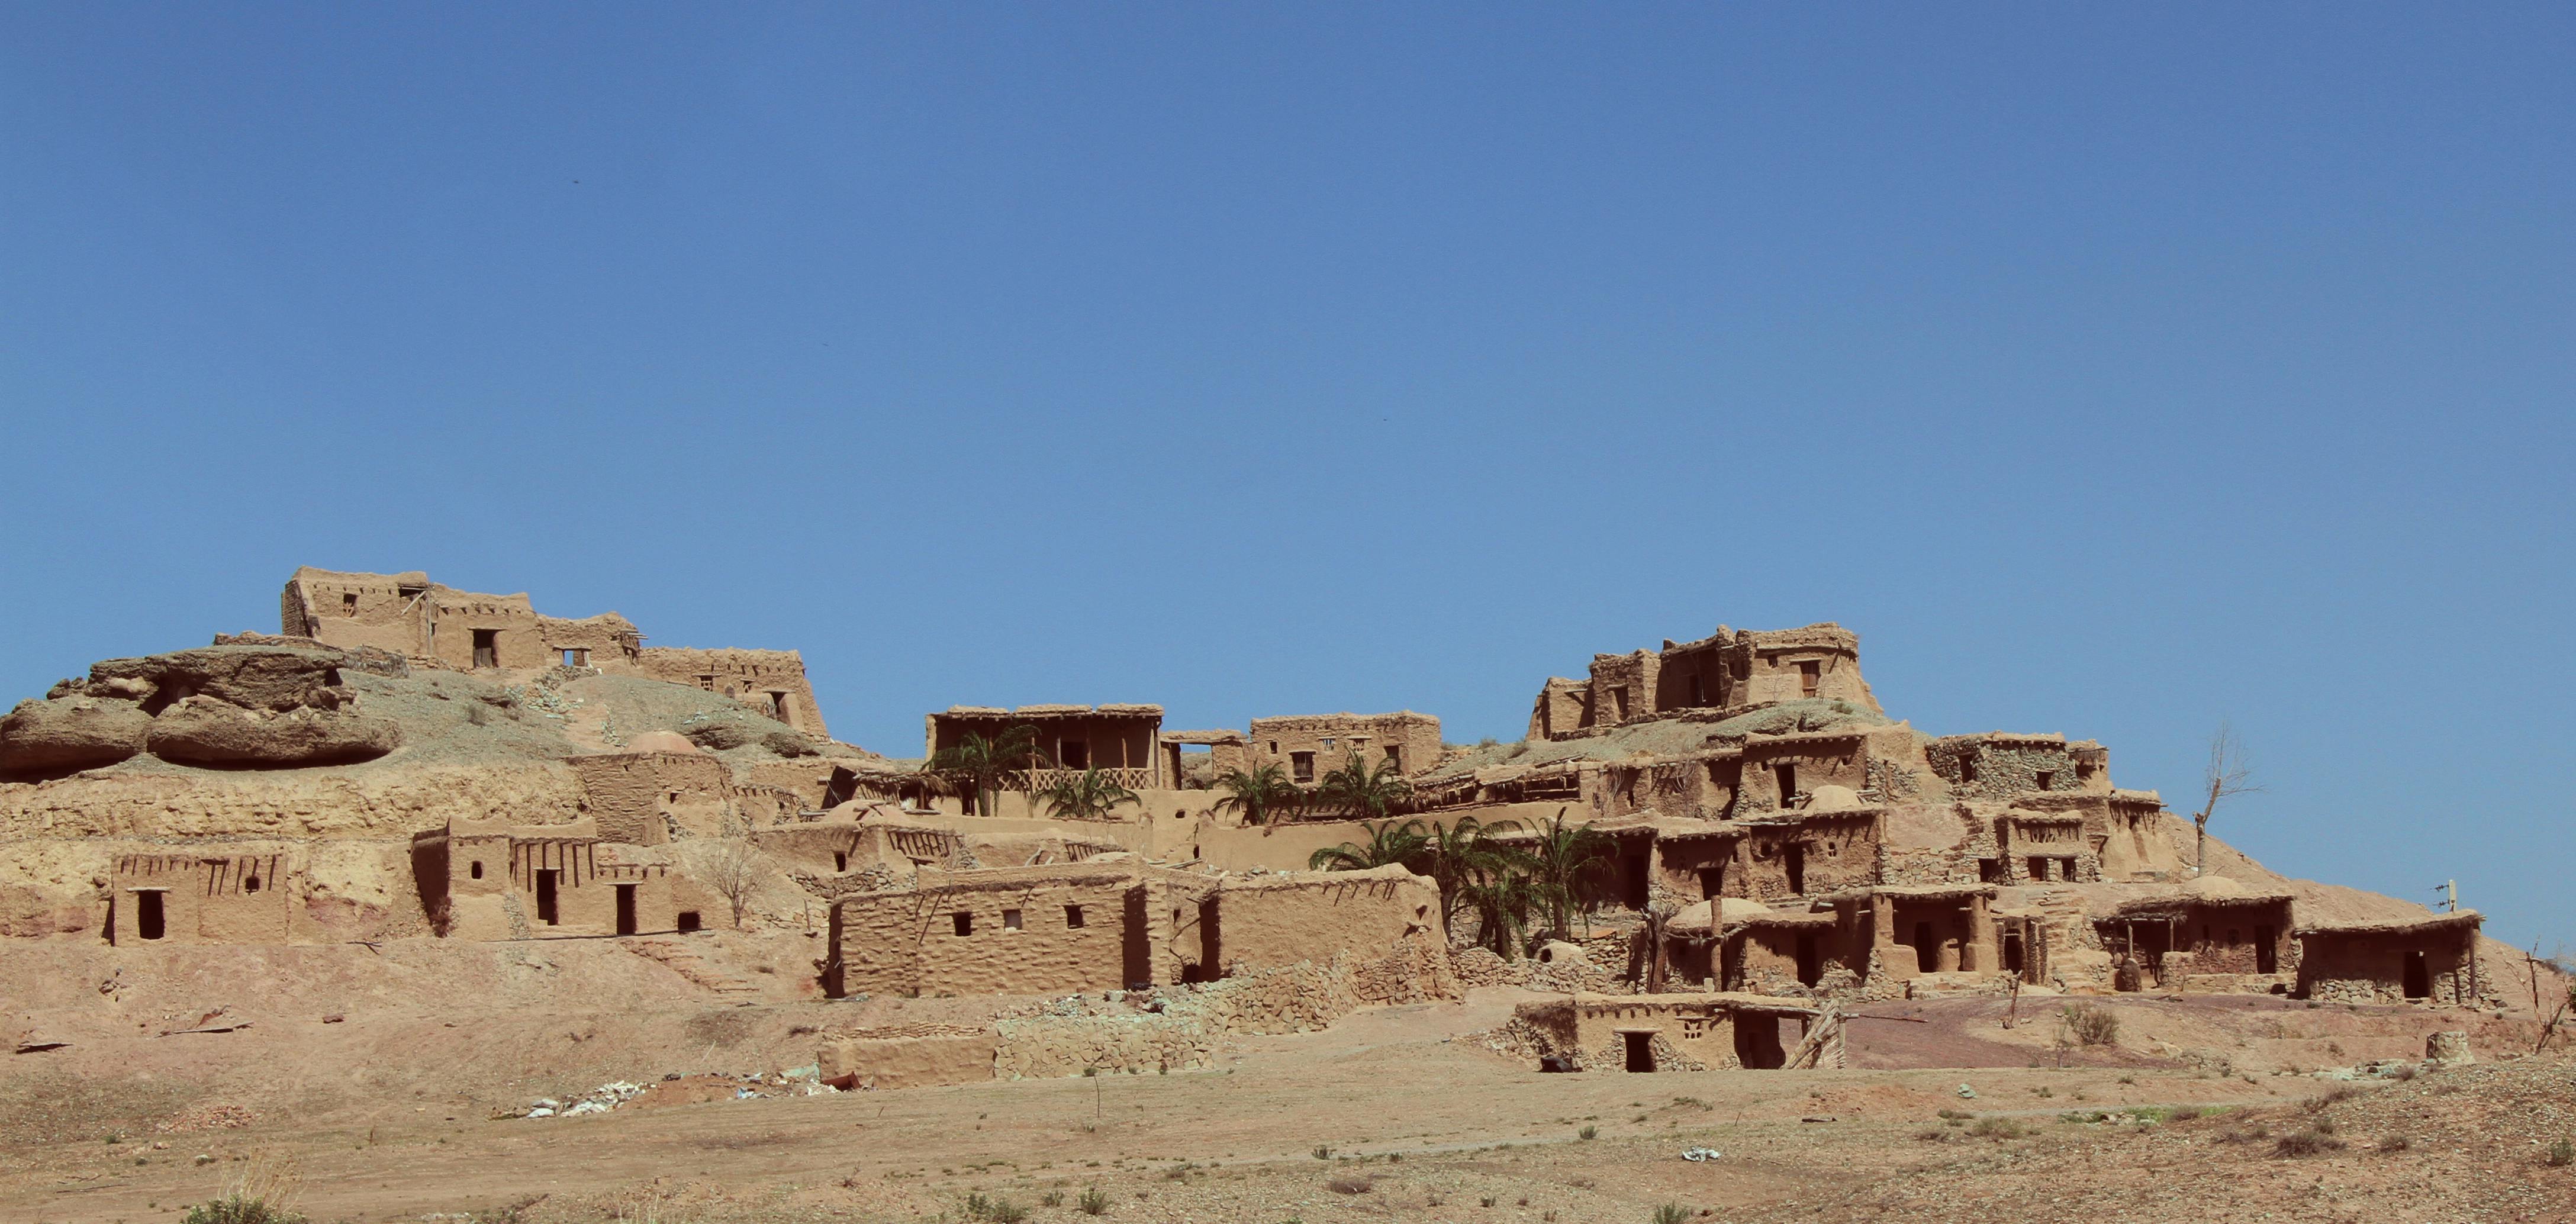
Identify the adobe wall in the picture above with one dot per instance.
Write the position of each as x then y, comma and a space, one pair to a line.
1686, 1032
639, 797
1562, 705
909, 1056
489, 878
2370, 966
769, 681
1997, 766
1268, 922
909, 943
1112, 736
203, 899
1330, 737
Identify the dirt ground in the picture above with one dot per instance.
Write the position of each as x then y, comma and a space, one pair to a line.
1398, 1113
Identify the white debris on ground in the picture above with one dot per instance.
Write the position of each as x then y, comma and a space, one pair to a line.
806, 1080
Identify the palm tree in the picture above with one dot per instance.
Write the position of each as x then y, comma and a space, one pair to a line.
1261, 794
1089, 795
1564, 865
1388, 842
983, 760
1502, 903
1363, 793
1464, 853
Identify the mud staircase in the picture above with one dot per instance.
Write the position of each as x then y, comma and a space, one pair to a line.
685, 961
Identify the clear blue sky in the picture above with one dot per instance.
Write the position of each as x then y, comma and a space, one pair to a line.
2110, 374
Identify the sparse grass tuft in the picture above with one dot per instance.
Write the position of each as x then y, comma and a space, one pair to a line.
1672, 1213
1589, 1132
2561, 1154
1323, 1151
1093, 1202
1997, 1128
1052, 1198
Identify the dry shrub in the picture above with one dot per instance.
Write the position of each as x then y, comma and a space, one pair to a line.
2090, 1025
2561, 1154
2340, 1094
1997, 1128
2306, 1143
263, 1192
2396, 1143
1350, 1185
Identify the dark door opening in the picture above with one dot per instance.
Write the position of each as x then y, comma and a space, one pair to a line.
147, 914
1793, 859
688, 921
546, 896
625, 909
1787, 777
1210, 944
1073, 753
1757, 1042
1927, 954
1641, 1051
1811, 968
2266, 959
487, 648
2419, 977
1712, 883
1633, 885
2012, 952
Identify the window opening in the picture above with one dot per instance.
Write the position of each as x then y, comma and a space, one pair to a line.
1301, 766
1395, 757
250, 884
1073, 917
1010, 920
688, 921
474, 870
1967, 769
1991, 871
349, 604
2047, 779
1073, 753
963, 923
576, 657
840, 860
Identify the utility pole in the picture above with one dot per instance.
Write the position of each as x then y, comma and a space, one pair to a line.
2450, 890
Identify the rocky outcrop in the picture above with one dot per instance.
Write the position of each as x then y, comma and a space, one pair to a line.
70, 733
252, 677
205, 731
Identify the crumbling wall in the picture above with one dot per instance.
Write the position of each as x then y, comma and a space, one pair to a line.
639, 797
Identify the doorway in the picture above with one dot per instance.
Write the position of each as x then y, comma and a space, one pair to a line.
1712, 882
2419, 977
487, 648
1811, 968
546, 896
1641, 1051
1793, 859
147, 913
626, 909
2266, 958
1927, 954
1757, 1042
1786, 776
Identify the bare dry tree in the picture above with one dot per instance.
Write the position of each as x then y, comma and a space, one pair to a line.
735, 870
2228, 774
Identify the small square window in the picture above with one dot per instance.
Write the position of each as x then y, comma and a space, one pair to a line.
965, 923
1301, 766
2047, 779
1010, 920
1073, 917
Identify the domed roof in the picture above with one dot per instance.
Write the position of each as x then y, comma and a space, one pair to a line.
2217, 886
1831, 798
660, 741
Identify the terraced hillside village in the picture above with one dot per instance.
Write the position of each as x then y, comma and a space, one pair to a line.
430, 905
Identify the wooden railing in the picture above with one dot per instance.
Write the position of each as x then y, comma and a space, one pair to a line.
1131, 777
